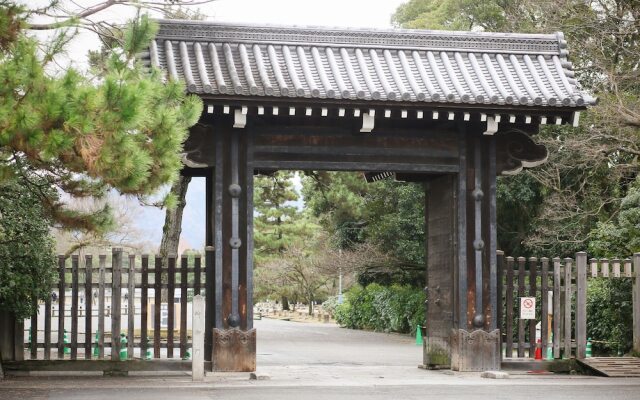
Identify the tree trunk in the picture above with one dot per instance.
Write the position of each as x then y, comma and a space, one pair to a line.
285, 303
173, 225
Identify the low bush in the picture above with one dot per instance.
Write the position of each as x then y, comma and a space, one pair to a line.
393, 308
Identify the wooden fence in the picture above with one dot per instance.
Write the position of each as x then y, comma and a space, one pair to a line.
89, 293
560, 287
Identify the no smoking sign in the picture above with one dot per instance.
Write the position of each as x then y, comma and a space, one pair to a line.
527, 308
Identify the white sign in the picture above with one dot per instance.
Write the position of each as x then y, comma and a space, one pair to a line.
527, 308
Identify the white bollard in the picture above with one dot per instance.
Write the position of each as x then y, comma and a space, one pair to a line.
197, 326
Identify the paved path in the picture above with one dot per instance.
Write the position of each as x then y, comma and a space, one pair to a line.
320, 362
282, 343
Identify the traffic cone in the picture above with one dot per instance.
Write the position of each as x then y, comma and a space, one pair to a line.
589, 352
187, 354
418, 335
123, 347
96, 350
538, 355
65, 340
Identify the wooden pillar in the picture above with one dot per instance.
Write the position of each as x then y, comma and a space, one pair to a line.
440, 228
475, 339
234, 339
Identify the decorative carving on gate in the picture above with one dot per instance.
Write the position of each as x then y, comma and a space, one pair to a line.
477, 350
515, 150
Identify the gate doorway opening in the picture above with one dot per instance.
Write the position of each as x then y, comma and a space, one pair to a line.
318, 234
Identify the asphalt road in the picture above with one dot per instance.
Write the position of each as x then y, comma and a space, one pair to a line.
321, 361
283, 343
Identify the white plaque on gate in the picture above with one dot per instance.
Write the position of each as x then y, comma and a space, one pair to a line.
527, 308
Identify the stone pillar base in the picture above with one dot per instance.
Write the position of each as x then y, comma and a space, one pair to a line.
234, 350
477, 350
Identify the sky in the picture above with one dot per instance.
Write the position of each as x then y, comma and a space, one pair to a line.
337, 13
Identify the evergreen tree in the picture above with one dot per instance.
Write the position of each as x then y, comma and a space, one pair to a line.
120, 128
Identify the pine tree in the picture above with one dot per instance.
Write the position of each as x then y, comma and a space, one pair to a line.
121, 127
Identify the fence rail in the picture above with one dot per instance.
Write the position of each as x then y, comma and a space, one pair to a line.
560, 288
87, 296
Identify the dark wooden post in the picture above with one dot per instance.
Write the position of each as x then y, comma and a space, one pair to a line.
476, 337
234, 339
581, 305
440, 222
88, 305
116, 302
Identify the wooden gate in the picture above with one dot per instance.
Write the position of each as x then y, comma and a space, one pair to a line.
111, 303
560, 288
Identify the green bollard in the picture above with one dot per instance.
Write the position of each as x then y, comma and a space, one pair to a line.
550, 348
187, 354
589, 353
418, 336
96, 350
67, 349
123, 347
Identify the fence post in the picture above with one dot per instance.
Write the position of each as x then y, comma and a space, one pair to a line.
581, 305
556, 307
636, 303
116, 299
197, 326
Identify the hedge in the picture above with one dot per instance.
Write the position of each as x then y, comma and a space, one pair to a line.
382, 308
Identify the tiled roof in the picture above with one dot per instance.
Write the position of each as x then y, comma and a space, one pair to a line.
407, 66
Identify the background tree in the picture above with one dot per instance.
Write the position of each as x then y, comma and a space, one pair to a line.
553, 209
278, 225
26, 249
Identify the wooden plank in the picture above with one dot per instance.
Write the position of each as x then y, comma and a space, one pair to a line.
533, 288
568, 270
581, 305
61, 305
210, 296
616, 268
636, 303
47, 328
510, 306
144, 305
198, 328
18, 345
74, 306
604, 264
116, 302
614, 366
98, 365
33, 331
184, 264
500, 289
88, 305
593, 263
102, 261
197, 275
157, 307
627, 268
556, 307
131, 306
521, 292
544, 306
171, 279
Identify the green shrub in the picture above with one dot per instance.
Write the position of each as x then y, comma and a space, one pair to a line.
610, 315
393, 308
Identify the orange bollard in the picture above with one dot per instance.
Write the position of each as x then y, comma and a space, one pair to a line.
539, 350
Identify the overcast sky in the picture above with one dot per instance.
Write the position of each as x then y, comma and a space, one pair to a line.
342, 13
